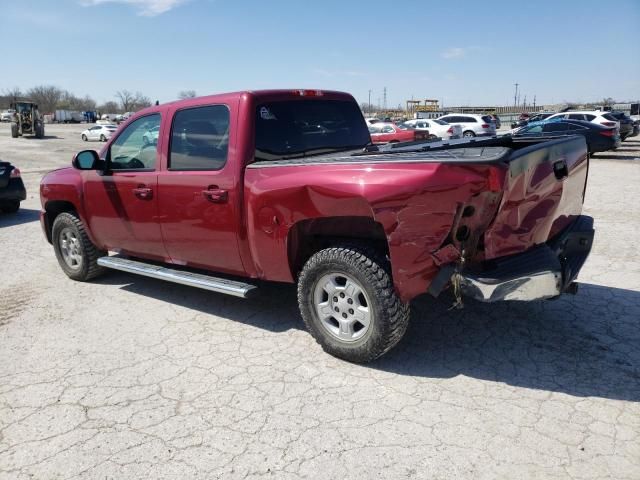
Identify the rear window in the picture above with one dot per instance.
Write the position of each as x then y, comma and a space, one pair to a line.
487, 119
305, 127
610, 117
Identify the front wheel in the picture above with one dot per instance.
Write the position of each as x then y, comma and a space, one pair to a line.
348, 303
14, 130
103, 138
76, 254
468, 133
84, 137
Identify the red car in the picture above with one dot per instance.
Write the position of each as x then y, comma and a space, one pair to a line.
284, 186
391, 133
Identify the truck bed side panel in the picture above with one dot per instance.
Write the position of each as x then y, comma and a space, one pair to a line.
415, 203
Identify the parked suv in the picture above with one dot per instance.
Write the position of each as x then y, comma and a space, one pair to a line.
472, 125
626, 124
595, 116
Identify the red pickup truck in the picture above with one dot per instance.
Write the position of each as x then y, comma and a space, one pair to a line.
285, 186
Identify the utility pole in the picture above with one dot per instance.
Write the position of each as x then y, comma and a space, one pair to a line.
384, 103
524, 104
534, 102
369, 104
515, 95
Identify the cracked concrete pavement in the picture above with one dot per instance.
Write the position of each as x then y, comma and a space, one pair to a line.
129, 377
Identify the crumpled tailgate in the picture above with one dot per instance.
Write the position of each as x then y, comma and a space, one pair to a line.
543, 193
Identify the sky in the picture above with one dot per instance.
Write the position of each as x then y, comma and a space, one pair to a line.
462, 52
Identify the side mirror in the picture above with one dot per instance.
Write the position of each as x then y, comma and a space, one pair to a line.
87, 160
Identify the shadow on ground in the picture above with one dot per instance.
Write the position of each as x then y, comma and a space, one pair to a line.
24, 215
46, 137
615, 156
583, 345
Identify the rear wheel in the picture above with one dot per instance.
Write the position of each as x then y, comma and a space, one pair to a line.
84, 137
39, 130
468, 133
348, 303
10, 206
76, 254
14, 130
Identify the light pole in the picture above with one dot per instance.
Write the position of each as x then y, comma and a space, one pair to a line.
369, 104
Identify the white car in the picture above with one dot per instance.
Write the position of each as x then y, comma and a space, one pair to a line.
439, 128
99, 132
7, 115
594, 116
372, 120
472, 125
151, 136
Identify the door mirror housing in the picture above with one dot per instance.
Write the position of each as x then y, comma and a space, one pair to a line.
87, 160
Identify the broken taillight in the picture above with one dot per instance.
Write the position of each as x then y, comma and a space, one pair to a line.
494, 182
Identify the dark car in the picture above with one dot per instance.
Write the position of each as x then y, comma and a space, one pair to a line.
12, 190
524, 121
599, 138
626, 124
636, 128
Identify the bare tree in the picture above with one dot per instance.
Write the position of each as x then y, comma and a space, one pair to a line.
46, 97
11, 94
108, 107
186, 94
127, 100
608, 101
140, 101
130, 101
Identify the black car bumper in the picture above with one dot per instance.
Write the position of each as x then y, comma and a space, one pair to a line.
13, 191
544, 271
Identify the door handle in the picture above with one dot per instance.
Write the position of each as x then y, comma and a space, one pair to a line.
216, 195
143, 193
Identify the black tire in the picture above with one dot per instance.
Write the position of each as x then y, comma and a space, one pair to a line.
88, 267
103, 138
14, 130
84, 137
468, 133
389, 315
10, 206
39, 130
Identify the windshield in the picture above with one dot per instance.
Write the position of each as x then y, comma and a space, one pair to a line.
297, 128
440, 122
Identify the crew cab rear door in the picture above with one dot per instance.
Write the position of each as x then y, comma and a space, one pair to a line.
198, 189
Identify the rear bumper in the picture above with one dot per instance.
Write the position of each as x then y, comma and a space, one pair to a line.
544, 271
14, 190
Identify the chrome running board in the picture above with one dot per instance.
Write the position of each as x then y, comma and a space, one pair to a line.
198, 280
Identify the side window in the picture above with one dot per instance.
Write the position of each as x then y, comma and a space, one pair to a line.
200, 138
388, 129
469, 120
132, 149
590, 117
576, 116
451, 119
533, 129
554, 127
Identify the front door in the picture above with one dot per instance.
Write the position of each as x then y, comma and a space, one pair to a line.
197, 193
122, 203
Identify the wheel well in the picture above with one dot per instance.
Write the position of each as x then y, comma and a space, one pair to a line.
53, 209
309, 236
